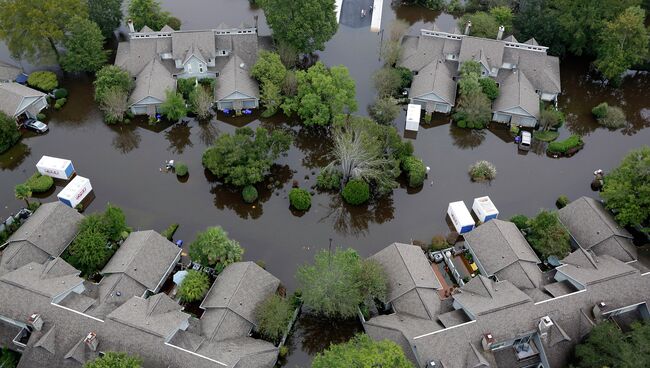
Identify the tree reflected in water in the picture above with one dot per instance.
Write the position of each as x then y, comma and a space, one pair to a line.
208, 132
466, 138
179, 138
127, 138
317, 333
354, 220
15, 156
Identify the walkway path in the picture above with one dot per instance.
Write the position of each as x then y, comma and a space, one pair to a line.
348, 13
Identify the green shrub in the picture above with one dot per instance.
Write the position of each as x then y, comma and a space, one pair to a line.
169, 232
211, 83
489, 87
43, 80
40, 116
406, 76
520, 221
514, 129
614, 118
273, 316
175, 23
60, 93
600, 110
194, 286
461, 124
185, 86
415, 171
562, 201
181, 169
9, 133
284, 350
328, 179
60, 102
300, 199
427, 117
39, 183
249, 193
439, 242
482, 171
546, 135
356, 192
562, 147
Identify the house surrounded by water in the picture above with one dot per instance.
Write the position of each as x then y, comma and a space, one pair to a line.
157, 59
524, 72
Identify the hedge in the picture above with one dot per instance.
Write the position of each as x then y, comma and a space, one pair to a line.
328, 179
356, 192
566, 146
249, 194
181, 169
300, 199
415, 171
39, 183
43, 80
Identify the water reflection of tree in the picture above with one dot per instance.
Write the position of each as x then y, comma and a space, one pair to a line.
208, 133
315, 144
354, 220
318, 333
127, 138
15, 156
179, 138
229, 197
466, 138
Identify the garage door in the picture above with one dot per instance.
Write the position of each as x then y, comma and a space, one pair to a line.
250, 104
139, 110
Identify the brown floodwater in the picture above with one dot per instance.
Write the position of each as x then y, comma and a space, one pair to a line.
123, 164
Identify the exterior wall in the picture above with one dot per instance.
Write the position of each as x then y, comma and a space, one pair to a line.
32, 106
238, 104
195, 68
432, 105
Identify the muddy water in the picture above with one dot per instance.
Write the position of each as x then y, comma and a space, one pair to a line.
123, 164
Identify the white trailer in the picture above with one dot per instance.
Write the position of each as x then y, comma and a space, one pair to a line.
413, 117
55, 167
484, 209
460, 217
75, 191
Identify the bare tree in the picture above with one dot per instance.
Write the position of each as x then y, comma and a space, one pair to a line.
114, 105
201, 101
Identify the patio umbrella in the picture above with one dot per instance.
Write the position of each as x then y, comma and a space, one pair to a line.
179, 277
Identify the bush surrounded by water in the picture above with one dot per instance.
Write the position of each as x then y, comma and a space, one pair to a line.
415, 171
43, 80
300, 199
329, 179
482, 171
567, 146
39, 183
181, 169
249, 194
356, 192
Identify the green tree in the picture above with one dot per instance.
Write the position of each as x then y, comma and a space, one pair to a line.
470, 66
300, 199
114, 223
273, 316
322, 94
607, 346
148, 13
356, 192
503, 16
362, 351
84, 47
384, 110
23, 192
111, 76
44, 80
483, 24
114, 360
213, 248
201, 102
114, 104
489, 87
335, 284
304, 25
269, 67
194, 286
9, 133
547, 235
271, 97
622, 43
89, 251
415, 171
387, 81
474, 109
551, 118
244, 158
174, 107
107, 14
539, 19
627, 189
33, 29
8, 358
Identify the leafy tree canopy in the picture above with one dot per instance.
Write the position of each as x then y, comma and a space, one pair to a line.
547, 235
84, 47
337, 283
269, 67
483, 24
111, 76
304, 25
244, 158
174, 107
9, 133
213, 248
115, 360
89, 251
322, 94
273, 317
148, 13
194, 286
362, 351
627, 189
608, 346
107, 14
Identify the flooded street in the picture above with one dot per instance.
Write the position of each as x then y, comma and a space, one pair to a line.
123, 163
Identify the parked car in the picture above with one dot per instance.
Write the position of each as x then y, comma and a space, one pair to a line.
524, 142
35, 125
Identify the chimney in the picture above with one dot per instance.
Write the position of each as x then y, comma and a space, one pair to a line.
597, 310
131, 27
500, 33
91, 341
35, 321
487, 341
468, 26
544, 326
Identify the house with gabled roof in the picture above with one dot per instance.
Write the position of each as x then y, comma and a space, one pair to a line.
9, 72
19, 101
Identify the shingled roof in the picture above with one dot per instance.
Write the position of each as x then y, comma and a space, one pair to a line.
50, 279
153, 81
483, 296
158, 314
516, 91
8, 72
436, 77
12, 96
593, 227
235, 78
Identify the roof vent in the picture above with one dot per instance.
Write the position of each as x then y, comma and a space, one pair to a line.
242, 65
487, 341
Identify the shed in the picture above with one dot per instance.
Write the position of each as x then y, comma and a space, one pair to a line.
75, 191
484, 209
55, 167
460, 217
413, 117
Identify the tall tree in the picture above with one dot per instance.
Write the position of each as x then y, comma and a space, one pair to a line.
362, 351
174, 107
213, 248
88, 251
23, 192
111, 76
34, 29
547, 235
114, 360
538, 19
305, 25
84, 47
607, 346
107, 14
9, 133
148, 13
623, 42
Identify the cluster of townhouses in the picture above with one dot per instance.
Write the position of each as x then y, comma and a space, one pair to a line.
55, 318
513, 314
524, 72
158, 59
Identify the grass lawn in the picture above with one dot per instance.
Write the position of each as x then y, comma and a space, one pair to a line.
546, 135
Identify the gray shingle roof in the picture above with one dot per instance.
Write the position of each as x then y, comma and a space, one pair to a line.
158, 314
48, 340
593, 227
135, 54
588, 269
8, 72
153, 81
235, 78
49, 279
12, 95
436, 77
20, 253
515, 90
483, 50
199, 43
146, 257
483, 296
51, 228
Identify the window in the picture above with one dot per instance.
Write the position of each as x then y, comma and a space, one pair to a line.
200, 68
189, 68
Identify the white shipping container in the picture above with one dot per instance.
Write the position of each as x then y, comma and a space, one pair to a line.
75, 191
484, 209
55, 167
460, 217
413, 117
